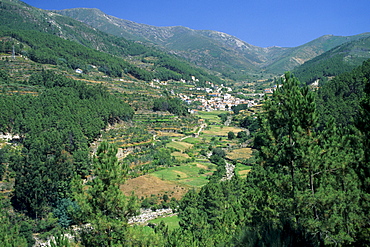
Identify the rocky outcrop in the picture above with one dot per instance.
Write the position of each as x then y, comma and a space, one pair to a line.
229, 171
148, 214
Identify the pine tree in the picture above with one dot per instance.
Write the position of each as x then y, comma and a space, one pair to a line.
363, 123
103, 204
306, 182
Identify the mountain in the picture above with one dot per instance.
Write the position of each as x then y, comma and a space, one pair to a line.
340, 59
167, 52
16, 15
202, 48
232, 57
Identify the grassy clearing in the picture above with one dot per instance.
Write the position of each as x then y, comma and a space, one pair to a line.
177, 172
196, 182
187, 174
182, 146
172, 222
221, 130
242, 170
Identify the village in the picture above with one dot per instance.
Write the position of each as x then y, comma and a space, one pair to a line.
213, 97
218, 97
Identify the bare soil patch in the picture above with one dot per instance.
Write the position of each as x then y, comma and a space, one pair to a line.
147, 185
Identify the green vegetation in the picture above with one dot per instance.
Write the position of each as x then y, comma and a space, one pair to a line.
173, 105
171, 222
185, 174
336, 61
76, 138
340, 98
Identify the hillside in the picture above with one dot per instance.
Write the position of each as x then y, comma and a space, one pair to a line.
340, 59
232, 57
139, 58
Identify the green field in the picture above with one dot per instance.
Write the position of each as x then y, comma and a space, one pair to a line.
192, 140
242, 170
211, 116
182, 146
187, 174
172, 222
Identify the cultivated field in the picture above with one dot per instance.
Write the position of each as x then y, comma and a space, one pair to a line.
147, 185
239, 154
216, 130
187, 174
182, 146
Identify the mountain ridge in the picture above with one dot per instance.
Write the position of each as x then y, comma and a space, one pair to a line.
16, 15
214, 50
221, 53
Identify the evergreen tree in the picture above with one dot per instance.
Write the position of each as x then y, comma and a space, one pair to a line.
103, 204
10, 234
363, 123
305, 182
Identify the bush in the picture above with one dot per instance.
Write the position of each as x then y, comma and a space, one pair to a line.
230, 135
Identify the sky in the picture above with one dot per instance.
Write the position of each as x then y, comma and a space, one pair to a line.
264, 23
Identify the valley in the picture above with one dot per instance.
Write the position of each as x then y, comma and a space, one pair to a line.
179, 139
114, 133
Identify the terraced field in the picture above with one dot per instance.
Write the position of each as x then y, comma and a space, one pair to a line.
240, 154
187, 174
191, 169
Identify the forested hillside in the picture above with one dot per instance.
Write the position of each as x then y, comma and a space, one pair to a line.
340, 98
234, 58
127, 57
56, 127
309, 186
338, 60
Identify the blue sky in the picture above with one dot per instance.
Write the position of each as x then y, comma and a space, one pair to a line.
264, 23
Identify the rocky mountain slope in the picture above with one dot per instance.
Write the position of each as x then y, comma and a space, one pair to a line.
211, 49
215, 51
147, 60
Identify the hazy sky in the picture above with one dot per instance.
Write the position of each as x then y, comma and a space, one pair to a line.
263, 23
